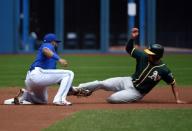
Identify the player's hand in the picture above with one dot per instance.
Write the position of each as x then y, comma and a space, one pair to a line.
181, 102
134, 33
63, 62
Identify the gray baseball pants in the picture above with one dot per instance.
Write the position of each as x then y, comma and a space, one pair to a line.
124, 91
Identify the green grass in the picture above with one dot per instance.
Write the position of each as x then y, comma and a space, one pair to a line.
13, 68
126, 120
181, 66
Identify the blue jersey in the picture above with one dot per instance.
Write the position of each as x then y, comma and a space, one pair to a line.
42, 61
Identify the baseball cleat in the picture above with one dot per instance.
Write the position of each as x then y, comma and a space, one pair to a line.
18, 97
62, 103
79, 92
17, 100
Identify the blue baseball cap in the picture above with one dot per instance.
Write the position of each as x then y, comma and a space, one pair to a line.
50, 37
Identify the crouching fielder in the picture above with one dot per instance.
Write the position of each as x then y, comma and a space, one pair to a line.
43, 73
150, 69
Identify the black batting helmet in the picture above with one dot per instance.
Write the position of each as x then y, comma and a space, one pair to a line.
156, 50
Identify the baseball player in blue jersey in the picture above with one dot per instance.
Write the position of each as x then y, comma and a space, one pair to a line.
149, 71
43, 73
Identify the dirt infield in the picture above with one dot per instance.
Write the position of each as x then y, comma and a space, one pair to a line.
37, 117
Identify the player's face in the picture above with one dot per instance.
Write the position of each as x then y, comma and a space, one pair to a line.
54, 43
151, 58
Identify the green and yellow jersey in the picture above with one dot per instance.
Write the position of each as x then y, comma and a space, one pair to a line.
147, 75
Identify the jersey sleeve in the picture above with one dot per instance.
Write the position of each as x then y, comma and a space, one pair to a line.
49, 46
168, 77
136, 53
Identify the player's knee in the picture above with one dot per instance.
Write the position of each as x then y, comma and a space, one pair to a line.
70, 73
114, 100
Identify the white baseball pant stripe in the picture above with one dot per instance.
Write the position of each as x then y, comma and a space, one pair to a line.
122, 86
38, 80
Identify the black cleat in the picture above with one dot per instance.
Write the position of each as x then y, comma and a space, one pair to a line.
80, 92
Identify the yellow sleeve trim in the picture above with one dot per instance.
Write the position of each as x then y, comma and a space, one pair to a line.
132, 51
173, 82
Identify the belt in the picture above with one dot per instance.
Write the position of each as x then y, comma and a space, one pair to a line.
32, 68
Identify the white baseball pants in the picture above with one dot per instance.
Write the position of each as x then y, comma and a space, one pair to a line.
38, 80
122, 86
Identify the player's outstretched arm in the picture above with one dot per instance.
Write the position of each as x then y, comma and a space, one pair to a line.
176, 95
63, 62
48, 53
130, 44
